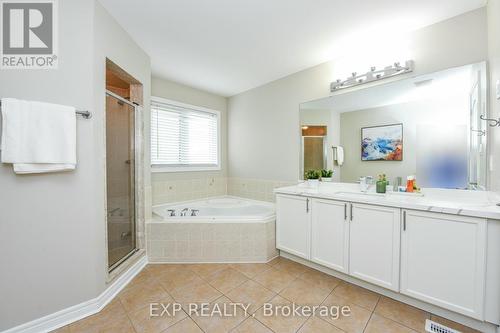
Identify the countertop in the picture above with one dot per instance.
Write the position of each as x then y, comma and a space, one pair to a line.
457, 202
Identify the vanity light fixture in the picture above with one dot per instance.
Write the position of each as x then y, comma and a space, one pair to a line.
372, 75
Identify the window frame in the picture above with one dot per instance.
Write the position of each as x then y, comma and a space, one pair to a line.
187, 167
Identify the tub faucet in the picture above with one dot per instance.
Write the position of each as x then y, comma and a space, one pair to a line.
172, 212
194, 212
184, 211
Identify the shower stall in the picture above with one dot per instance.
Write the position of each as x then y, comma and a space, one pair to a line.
120, 178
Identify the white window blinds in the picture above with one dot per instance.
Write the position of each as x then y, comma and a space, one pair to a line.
183, 136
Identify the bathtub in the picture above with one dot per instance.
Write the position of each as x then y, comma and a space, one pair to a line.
217, 210
217, 229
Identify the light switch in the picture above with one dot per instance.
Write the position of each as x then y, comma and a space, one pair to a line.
498, 89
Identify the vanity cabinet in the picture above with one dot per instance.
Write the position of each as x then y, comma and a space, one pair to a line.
374, 244
293, 226
443, 260
330, 234
433, 257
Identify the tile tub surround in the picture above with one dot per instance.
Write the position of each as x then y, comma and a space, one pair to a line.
231, 283
198, 188
211, 242
257, 189
188, 189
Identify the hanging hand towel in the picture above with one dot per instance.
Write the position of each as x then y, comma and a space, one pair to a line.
340, 155
38, 137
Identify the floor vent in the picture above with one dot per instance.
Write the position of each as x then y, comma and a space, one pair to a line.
433, 327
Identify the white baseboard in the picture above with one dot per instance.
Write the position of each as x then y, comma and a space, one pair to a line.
82, 310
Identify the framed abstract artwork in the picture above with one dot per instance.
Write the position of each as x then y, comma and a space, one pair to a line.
382, 143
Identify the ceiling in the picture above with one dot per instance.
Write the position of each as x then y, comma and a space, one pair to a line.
229, 46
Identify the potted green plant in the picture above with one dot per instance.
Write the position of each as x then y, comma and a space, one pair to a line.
312, 177
326, 175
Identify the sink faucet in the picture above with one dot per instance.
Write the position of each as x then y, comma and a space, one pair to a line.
365, 183
184, 211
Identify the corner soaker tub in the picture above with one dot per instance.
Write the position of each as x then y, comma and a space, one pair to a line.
225, 229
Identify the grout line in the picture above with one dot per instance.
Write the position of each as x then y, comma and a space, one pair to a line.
274, 292
269, 328
397, 322
305, 321
331, 293
126, 314
192, 319
371, 315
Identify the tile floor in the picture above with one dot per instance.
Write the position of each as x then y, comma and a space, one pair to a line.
279, 282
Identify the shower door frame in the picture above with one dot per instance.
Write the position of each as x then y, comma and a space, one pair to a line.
136, 146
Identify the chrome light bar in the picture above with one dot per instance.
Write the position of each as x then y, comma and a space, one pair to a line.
373, 75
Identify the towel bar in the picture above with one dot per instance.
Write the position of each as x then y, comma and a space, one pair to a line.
85, 114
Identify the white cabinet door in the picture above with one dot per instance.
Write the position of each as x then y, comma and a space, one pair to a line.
374, 244
443, 260
330, 234
293, 225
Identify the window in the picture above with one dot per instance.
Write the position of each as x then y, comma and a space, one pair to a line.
184, 137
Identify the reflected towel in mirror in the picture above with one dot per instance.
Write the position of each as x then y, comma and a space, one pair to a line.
339, 155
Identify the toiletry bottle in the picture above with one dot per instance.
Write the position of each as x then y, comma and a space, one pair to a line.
397, 183
381, 184
415, 186
409, 183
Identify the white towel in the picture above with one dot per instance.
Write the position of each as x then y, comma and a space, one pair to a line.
38, 137
340, 155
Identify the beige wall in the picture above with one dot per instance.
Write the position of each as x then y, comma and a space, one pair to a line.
52, 226
263, 122
180, 186
494, 63
50, 232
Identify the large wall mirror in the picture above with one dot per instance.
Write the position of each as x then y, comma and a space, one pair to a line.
428, 126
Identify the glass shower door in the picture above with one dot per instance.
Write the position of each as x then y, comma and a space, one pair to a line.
120, 179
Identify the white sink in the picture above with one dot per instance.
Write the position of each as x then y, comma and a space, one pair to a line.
374, 194
361, 193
